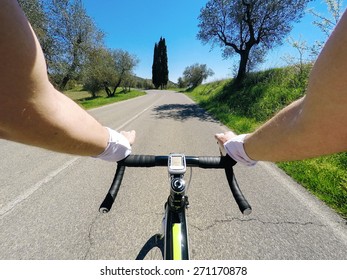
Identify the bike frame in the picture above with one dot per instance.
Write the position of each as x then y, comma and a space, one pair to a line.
176, 246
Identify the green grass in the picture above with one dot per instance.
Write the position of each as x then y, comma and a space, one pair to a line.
87, 102
325, 177
244, 108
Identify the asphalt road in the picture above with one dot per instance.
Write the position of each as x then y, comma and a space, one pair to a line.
49, 202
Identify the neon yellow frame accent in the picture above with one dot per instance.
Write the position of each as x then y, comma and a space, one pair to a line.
176, 240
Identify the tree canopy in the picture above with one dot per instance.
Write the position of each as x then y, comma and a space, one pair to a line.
66, 34
194, 75
74, 47
75, 34
108, 69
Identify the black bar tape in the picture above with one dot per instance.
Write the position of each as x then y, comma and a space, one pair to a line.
215, 162
106, 205
241, 201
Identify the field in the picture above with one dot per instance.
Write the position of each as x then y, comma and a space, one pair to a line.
85, 99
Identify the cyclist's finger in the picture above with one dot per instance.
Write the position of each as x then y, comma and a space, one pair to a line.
130, 135
224, 136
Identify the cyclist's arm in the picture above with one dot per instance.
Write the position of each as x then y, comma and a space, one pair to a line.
316, 124
32, 111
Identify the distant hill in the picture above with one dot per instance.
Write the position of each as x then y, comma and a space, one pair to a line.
147, 83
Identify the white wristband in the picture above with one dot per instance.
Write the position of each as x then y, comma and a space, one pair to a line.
118, 147
235, 149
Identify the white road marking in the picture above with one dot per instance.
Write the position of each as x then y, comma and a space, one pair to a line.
29, 191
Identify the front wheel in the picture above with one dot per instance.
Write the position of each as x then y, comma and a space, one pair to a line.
153, 249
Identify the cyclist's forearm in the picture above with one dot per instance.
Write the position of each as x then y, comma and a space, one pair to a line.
315, 125
54, 122
32, 111
300, 131
281, 138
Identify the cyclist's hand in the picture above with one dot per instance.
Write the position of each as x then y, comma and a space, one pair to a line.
130, 135
233, 145
224, 137
119, 145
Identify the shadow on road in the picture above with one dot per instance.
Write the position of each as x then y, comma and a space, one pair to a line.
182, 112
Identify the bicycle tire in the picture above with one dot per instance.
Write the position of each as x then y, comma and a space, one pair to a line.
153, 249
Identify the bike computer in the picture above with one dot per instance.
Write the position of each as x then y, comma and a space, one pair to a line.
176, 164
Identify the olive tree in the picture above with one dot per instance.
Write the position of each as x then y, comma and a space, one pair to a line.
326, 23
195, 74
107, 69
244, 27
39, 20
74, 34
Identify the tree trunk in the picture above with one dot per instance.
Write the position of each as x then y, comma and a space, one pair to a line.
64, 82
108, 91
116, 86
241, 74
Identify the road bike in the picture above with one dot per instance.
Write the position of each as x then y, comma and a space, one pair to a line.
172, 243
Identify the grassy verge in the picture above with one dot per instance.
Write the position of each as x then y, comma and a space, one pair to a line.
244, 108
87, 102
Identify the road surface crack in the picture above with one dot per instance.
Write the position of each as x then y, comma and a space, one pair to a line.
90, 238
231, 220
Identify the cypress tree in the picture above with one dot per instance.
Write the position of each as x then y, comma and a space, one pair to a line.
160, 72
164, 72
155, 67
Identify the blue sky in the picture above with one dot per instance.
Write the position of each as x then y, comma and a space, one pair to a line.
136, 25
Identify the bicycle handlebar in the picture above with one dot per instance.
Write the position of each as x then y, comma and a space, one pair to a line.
207, 162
